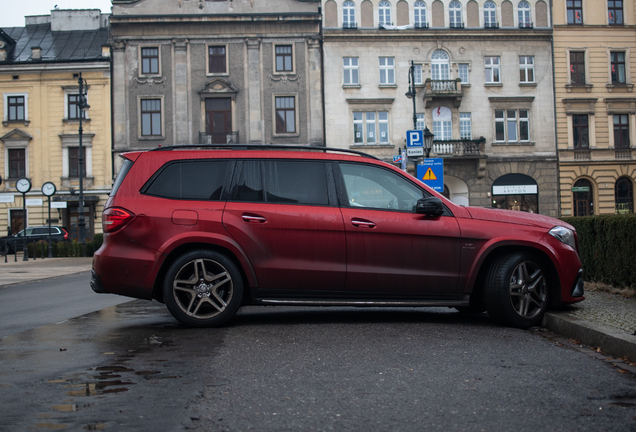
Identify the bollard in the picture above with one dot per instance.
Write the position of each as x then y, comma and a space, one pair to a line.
16, 254
6, 253
34, 254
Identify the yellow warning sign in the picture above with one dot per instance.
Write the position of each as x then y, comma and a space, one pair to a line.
429, 175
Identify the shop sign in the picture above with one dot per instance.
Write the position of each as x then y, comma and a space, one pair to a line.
514, 190
34, 202
58, 204
6, 199
581, 189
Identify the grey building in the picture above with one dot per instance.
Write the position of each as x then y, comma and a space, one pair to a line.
215, 72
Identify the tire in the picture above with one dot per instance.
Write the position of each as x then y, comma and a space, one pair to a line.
516, 290
203, 288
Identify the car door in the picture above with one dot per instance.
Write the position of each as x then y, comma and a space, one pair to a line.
284, 214
391, 248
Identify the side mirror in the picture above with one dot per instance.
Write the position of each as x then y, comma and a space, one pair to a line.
431, 206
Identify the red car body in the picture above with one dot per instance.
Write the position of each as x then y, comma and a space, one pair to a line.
334, 254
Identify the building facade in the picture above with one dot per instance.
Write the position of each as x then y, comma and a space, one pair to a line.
202, 72
40, 65
595, 105
484, 82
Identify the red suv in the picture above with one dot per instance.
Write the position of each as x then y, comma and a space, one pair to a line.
208, 230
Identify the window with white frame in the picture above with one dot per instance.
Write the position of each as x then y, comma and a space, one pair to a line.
463, 73
285, 114
417, 74
440, 65
349, 15
526, 69
16, 107
512, 125
420, 122
387, 70
523, 10
150, 61
384, 13
492, 70
419, 10
350, 71
490, 15
442, 123
371, 127
151, 124
455, 15
465, 126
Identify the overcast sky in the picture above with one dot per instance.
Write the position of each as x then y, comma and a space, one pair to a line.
12, 12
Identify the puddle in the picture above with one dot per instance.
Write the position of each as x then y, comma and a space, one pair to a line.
70, 407
51, 426
100, 387
144, 373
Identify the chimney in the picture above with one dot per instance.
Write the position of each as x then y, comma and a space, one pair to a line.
36, 53
105, 50
3, 51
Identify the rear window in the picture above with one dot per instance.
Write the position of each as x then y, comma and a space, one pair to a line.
121, 176
192, 180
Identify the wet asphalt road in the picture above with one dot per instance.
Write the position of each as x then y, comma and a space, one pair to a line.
132, 367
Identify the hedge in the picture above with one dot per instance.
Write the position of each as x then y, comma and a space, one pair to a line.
607, 247
67, 249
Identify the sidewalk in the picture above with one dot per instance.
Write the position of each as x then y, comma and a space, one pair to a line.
603, 320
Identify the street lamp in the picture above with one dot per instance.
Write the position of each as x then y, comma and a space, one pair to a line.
81, 223
428, 141
412, 92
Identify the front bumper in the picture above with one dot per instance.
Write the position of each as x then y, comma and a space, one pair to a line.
577, 287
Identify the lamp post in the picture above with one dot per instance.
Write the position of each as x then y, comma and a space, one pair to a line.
412, 92
428, 141
81, 223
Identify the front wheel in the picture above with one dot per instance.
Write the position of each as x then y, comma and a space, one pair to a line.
203, 288
516, 290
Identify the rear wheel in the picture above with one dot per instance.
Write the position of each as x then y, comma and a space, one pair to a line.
516, 290
203, 288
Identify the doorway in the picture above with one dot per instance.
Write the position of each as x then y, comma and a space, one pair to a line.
218, 119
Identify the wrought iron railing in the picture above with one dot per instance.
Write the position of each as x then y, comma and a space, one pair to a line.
349, 25
526, 25
219, 137
421, 25
491, 25
457, 25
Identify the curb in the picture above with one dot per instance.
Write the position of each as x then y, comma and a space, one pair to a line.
612, 341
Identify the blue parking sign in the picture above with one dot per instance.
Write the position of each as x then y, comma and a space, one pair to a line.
431, 172
415, 138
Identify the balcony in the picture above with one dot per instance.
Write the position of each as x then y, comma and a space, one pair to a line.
219, 137
349, 25
459, 148
456, 25
526, 25
491, 25
443, 89
421, 26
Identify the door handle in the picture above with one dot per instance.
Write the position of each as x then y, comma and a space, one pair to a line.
362, 223
253, 218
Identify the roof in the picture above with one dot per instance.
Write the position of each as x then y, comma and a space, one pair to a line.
57, 46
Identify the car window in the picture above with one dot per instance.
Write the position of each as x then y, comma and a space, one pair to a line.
29, 231
378, 188
249, 186
296, 182
39, 231
193, 180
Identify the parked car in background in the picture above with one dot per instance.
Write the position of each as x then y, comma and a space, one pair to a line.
206, 230
33, 234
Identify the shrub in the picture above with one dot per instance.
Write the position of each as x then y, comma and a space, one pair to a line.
607, 247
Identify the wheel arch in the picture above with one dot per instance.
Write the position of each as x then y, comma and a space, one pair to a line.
174, 254
554, 284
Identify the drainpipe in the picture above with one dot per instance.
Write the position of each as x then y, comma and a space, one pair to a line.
556, 137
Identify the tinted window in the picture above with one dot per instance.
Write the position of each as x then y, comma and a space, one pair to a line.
296, 182
37, 231
249, 186
121, 176
196, 180
374, 187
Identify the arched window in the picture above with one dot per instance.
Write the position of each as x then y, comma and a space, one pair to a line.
419, 8
583, 198
490, 15
349, 15
525, 21
624, 195
455, 15
516, 192
384, 11
440, 65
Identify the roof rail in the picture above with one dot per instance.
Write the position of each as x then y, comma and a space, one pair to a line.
263, 147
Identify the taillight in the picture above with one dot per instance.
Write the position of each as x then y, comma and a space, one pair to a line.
115, 218
65, 233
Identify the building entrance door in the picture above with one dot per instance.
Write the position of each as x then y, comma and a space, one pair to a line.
218, 119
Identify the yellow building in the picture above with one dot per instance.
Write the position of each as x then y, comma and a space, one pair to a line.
40, 65
595, 105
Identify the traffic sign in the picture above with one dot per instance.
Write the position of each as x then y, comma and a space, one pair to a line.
431, 172
397, 158
417, 151
414, 138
